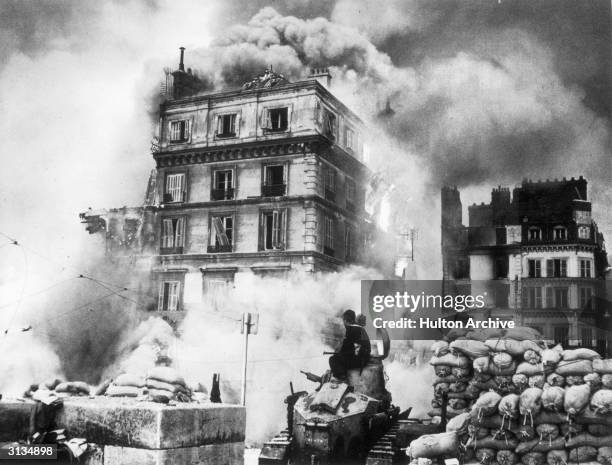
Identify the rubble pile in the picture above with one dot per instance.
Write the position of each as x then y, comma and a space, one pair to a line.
512, 399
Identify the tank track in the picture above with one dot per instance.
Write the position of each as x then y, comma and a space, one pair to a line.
387, 450
277, 450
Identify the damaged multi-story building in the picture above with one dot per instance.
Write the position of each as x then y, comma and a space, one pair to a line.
267, 179
540, 254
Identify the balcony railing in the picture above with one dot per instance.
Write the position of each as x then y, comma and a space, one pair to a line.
171, 250
222, 194
219, 248
273, 190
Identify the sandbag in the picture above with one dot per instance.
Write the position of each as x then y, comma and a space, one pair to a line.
478, 432
537, 381
582, 454
497, 371
440, 348
550, 357
533, 458
574, 380
528, 369
552, 398
470, 348
481, 377
442, 370
459, 424
167, 375
525, 432
547, 431
450, 412
486, 404
460, 372
576, 399
586, 439
603, 367
523, 333
604, 455
601, 402
531, 356
506, 457
451, 360
484, 334
556, 457
536, 445
574, 367
457, 404
555, 380
593, 380
512, 346
73, 387
504, 384
508, 406
434, 445
481, 364
571, 429
173, 388
585, 418
444, 379
598, 430
128, 379
606, 381
160, 395
122, 391
520, 381
485, 456
496, 444
530, 402
441, 388
502, 360
580, 354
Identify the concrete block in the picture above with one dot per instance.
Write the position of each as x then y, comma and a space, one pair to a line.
212, 454
15, 419
131, 423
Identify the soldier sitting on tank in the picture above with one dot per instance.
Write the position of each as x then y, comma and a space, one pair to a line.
355, 349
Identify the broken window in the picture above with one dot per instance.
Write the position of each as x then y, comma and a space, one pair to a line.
223, 185
277, 119
173, 235
274, 181
180, 131
328, 235
274, 226
556, 268
221, 233
226, 125
175, 188
169, 296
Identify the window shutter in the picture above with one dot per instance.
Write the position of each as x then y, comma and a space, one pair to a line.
219, 125
267, 121
317, 114
284, 225
261, 242
549, 268
180, 233
167, 233
160, 297
549, 297
188, 130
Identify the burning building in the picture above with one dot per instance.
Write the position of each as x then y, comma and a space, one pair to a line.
540, 250
267, 179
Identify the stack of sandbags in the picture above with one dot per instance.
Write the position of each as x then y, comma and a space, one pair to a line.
165, 384
126, 385
73, 388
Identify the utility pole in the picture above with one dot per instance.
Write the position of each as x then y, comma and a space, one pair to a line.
249, 326
411, 234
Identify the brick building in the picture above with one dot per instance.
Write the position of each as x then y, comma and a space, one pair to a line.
268, 178
538, 253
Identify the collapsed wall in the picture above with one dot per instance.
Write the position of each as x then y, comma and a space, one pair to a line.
511, 399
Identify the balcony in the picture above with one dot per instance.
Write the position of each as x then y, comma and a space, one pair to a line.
218, 248
273, 190
171, 250
222, 194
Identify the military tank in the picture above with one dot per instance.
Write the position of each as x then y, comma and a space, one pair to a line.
352, 422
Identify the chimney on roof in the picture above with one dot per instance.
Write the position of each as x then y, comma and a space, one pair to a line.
181, 64
322, 75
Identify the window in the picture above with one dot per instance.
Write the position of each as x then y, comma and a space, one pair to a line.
223, 185
180, 131
273, 229
277, 120
560, 233
226, 125
329, 183
556, 268
221, 233
561, 335
534, 234
329, 124
274, 184
351, 191
585, 268
532, 297
328, 235
501, 268
586, 337
561, 297
174, 190
582, 217
168, 300
349, 138
348, 243
585, 302
173, 235
584, 232
535, 268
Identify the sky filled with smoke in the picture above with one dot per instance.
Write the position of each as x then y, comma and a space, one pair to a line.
482, 93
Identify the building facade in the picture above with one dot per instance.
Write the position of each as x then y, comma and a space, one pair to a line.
265, 179
538, 255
